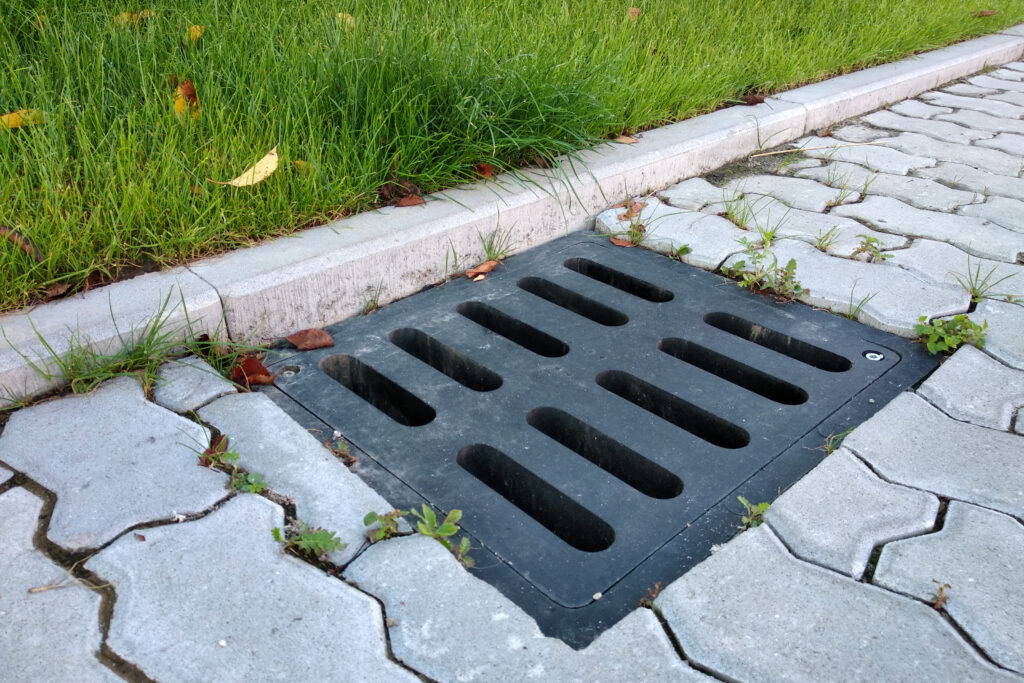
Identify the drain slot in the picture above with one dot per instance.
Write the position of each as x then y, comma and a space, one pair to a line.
516, 331
622, 462
731, 370
779, 342
571, 301
377, 390
685, 415
560, 514
445, 359
623, 281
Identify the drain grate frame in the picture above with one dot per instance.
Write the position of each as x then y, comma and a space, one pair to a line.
594, 411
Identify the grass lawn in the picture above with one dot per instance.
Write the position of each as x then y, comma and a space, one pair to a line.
412, 90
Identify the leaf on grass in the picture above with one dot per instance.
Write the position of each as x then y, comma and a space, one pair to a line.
256, 174
307, 340
485, 170
22, 117
302, 166
18, 239
485, 267
55, 291
186, 99
346, 20
393, 189
410, 200
626, 140
619, 242
984, 13
633, 13
133, 19
250, 371
194, 33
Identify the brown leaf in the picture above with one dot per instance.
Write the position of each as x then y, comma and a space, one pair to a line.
92, 280
410, 200
393, 188
752, 98
626, 140
307, 340
485, 170
186, 99
633, 13
17, 238
55, 291
984, 13
619, 242
140, 537
485, 267
250, 371
632, 211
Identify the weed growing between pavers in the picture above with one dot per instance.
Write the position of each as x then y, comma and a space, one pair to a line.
113, 177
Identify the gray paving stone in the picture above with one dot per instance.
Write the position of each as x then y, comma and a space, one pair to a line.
1003, 109
988, 159
1014, 66
217, 598
856, 132
1011, 143
295, 464
911, 442
976, 180
1007, 75
1003, 211
943, 130
189, 383
5, 474
712, 238
941, 262
992, 81
113, 459
974, 388
981, 121
48, 636
693, 194
1005, 330
977, 553
876, 157
799, 193
799, 622
918, 109
900, 297
452, 626
919, 192
837, 514
1014, 98
974, 235
969, 89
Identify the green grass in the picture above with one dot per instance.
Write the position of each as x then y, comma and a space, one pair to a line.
421, 89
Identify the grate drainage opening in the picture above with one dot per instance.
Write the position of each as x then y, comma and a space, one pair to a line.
377, 390
622, 462
573, 301
697, 421
619, 280
516, 331
559, 513
731, 370
780, 343
445, 359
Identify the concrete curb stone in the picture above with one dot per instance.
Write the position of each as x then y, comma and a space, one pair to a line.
973, 387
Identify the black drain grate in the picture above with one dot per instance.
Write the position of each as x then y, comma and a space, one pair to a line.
594, 411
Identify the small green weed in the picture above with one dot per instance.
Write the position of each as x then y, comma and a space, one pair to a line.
834, 441
218, 457
872, 247
980, 286
497, 244
426, 524
310, 543
824, 240
754, 513
853, 310
388, 524
948, 335
765, 274
250, 482
941, 595
682, 251
372, 300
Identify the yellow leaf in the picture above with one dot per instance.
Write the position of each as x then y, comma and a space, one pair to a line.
302, 166
257, 174
194, 33
132, 18
22, 117
185, 98
341, 18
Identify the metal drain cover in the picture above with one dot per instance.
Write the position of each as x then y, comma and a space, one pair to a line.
594, 411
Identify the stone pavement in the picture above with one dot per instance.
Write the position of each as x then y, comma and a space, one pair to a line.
897, 558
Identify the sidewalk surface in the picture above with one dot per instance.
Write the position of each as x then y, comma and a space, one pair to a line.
898, 558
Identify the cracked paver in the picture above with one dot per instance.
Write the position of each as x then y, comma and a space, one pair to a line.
1001, 109
918, 109
983, 121
974, 179
980, 589
975, 388
942, 130
919, 192
1005, 330
188, 384
51, 635
799, 193
754, 612
693, 194
110, 479
941, 262
1005, 212
876, 157
219, 595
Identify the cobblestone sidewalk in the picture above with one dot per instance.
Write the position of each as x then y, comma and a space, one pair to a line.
898, 558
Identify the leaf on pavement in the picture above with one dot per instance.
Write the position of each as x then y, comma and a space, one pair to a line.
256, 174
307, 340
619, 242
250, 371
485, 267
410, 200
626, 140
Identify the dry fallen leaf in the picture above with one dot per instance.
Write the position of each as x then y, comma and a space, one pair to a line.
22, 117
22, 242
752, 99
346, 20
410, 200
633, 13
132, 18
194, 33
633, 209
55, 291
984, 13
306, 340
250, 371
256, 174
485, 267
186, 99
485, 170
626, 140
479, 277
140, 537
619, 242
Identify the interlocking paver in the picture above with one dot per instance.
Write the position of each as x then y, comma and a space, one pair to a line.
969, 89
911, 442
1003, 211
1014, 98
857, 132
918, 109
975, 388
976, 180
452, 626
941, 262
800, 622
109, 476
217, 598
1003, 109
837, 514
919, 192
295, 464
977, 553
1007, 74
989, 159
875, 157
51, 635
1014, 66
1011, 143
983, 121
974, 235
693, 194
5, 474
900, 297
943, 130
989, 81
799, 193
189, 383
1005, 330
